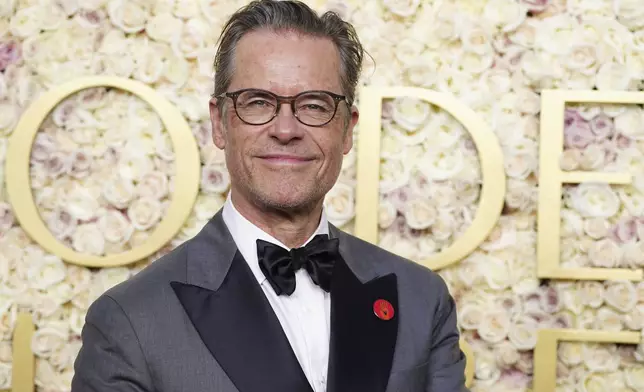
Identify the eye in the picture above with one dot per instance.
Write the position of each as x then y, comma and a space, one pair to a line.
313, 106
258, 102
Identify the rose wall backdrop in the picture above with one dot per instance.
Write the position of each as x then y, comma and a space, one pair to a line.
102, 166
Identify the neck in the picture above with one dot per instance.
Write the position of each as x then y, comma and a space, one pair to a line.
290, 227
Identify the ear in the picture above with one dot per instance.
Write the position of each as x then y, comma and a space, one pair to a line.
348, 134
218, 128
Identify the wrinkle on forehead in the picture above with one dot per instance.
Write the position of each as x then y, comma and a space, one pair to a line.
286, 62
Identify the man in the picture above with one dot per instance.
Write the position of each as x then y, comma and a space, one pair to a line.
233, 309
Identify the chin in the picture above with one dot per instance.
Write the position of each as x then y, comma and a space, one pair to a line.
286, 199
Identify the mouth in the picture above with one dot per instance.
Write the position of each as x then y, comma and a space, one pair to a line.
285, 159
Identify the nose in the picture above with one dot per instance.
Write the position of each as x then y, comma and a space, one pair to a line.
286, 127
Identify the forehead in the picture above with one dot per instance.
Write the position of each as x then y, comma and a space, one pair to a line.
286, 63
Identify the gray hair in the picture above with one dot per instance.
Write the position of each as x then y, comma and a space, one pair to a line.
291, 15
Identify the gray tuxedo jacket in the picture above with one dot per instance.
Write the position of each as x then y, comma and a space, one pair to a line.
196, 320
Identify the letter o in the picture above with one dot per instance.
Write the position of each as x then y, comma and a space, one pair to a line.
188, 169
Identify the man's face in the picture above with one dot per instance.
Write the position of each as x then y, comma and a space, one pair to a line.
284, 164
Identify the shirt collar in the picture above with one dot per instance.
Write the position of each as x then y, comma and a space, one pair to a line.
245, 234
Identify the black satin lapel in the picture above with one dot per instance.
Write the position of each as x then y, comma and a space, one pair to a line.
239, 327
362, 345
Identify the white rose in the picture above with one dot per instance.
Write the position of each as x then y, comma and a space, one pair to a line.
613, 76
593, 157
106, 278
629, 123
186, 9
419, 71
8, 117
605, 253
45, 271
57, 164
634, 320
420, 213
633, 200
410, 113
496, 273
138, 238
523, 334
394, 173
582, 58
470, 316
81, 163
600, 357
506, 354
594, 200
593, 382
469, 272
149, 66
177, 70
570, 159
609, 320
49, 339
504, 14
7, 8
66, 356
44, 145
521, 195
81, 204
164, 27
7, 219
629, 12
408, 50
115, 227
485, 368
633, 254
207, 206
118, 192
593, 293
144, 213
76, 322
127, 15
153, 184
572, 224
402, 8
386, 214
520, 166
215, 179
634, 377
193, 37
443, 164
494, 326
27, 22
621, 295
570, 353
596, 228
475, 63
88, 238
340, 204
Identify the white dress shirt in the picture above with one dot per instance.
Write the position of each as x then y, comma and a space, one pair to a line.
305, 314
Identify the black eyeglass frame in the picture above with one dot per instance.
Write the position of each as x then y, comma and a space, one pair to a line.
286, 99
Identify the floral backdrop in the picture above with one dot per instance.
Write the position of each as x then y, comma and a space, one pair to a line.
102, 165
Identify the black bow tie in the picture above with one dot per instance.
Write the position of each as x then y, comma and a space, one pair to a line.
279, 265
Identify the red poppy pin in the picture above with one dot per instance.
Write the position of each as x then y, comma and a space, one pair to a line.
383, 309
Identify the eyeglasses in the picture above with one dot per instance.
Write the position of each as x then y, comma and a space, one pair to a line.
258, 107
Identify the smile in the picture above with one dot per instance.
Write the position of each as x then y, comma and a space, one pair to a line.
285, 159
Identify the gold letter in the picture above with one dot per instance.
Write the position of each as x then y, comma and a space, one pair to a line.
188, 169
545, 353
368, 170
551, 178
23, 367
